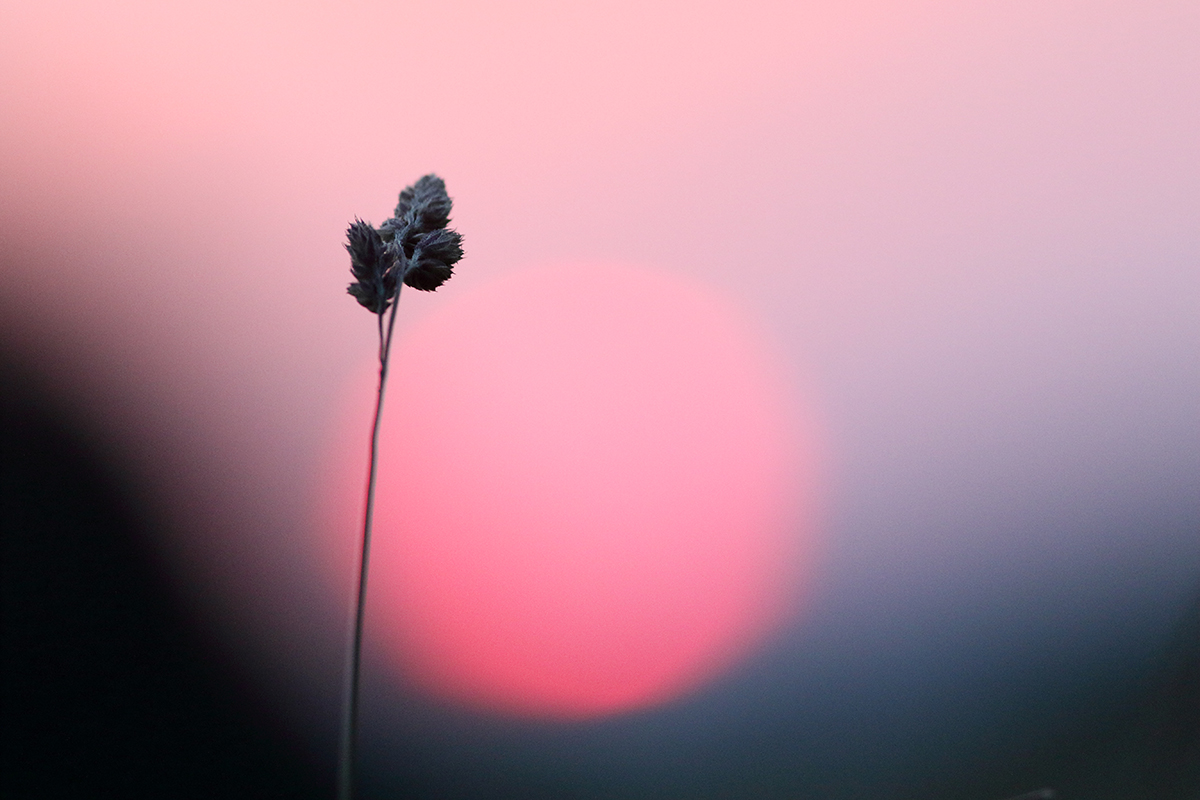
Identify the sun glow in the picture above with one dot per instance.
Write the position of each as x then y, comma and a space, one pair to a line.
587, 496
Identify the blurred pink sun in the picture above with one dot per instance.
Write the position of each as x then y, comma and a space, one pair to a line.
593, 495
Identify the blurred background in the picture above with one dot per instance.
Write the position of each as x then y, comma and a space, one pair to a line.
813, 415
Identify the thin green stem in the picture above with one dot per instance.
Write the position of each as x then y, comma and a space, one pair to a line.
349, 732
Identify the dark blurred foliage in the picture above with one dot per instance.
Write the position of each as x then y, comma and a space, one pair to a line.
107, 689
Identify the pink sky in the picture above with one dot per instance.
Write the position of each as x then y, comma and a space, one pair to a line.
968, 231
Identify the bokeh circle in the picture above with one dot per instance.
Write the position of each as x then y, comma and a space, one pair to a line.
594, 492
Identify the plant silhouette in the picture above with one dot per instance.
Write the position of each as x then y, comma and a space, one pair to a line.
416, 248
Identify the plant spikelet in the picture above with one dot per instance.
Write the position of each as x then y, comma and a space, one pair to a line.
372, 264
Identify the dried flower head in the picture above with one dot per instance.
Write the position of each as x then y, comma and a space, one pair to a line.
372, 263
424, 248
425, 204
433, 259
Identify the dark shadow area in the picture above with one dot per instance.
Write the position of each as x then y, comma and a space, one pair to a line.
1178, 703
1165, 741
107, 690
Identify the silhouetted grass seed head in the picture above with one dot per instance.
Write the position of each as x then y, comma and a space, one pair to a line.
372, 264
433, 260
415, 244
